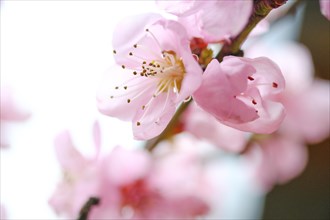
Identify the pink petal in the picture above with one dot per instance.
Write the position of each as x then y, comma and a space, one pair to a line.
10, 108
181, 7
308, 113
281, 159
124, 166
216, 95
127, 35
325, 8
203, 125
215, 19
119, 106
159, 113
69, 158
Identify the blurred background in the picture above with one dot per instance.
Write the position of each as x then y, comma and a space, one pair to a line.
51, 47
308, 196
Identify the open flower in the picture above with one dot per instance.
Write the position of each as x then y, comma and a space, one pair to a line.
154, 72
239, 93
213, 21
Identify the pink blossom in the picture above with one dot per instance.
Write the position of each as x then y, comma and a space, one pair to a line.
277, 160
213, 21
143, 189
306, 99
325, 8
11, 110
239, 92
154, 72
202, 125
129, 183
81, 178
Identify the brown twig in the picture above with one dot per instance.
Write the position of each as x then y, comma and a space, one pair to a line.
92, 201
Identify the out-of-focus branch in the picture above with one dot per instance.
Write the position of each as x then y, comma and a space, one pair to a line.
92, 201
261, 9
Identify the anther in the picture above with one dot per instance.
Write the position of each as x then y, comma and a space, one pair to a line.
275, 85
135, 45
114, 51
134, 72
111, 97
254, 102
147, 29
128, 100
138, 123
143, 107
116, 87
123, 66
130, 53
144, 62
250, 78
125, 87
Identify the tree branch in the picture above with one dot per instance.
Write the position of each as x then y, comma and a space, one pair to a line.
261, 9
92, 201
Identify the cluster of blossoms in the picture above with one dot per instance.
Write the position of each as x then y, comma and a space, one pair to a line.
156, 71
238, 104
165, 185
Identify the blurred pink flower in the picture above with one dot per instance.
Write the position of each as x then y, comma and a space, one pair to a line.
11, 110
155, 72
325, 8
129, 183
283, 156
141, 187
240, 93
202, 125
276, 160
213, 21
81, 177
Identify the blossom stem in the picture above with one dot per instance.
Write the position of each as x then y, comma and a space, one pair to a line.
83, 214
261, 9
